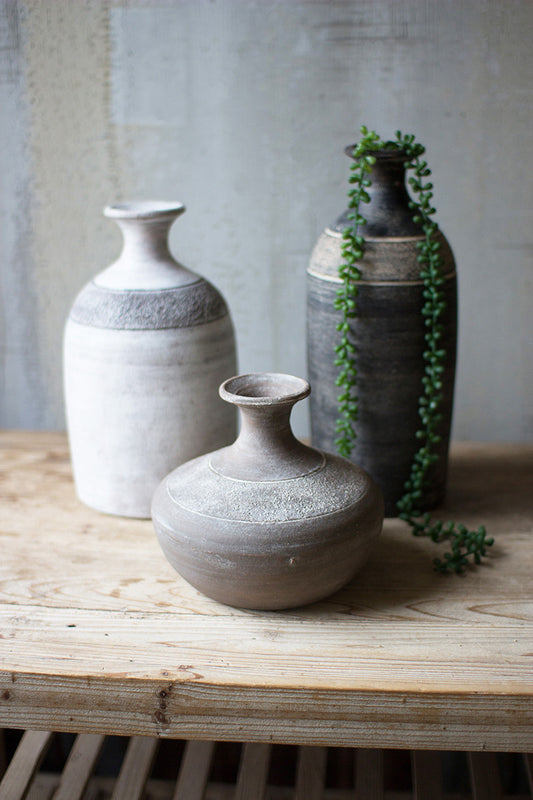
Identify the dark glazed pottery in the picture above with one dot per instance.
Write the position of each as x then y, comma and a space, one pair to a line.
388, 333
267, 523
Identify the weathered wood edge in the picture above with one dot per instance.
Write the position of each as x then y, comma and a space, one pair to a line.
334, 718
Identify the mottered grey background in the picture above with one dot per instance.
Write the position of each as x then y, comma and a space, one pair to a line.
241, 109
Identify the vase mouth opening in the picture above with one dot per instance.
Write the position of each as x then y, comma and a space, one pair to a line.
264, 389
145, 209
391, 153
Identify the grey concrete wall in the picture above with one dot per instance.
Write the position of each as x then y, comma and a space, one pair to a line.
241, 110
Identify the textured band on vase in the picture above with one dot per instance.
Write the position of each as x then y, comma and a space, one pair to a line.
184, 307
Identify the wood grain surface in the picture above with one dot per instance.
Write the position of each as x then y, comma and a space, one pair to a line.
98, 634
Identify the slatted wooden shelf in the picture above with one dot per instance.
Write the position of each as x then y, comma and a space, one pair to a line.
302, 773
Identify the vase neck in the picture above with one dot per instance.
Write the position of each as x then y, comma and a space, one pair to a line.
145, 240
145, 261
266, 448
388, 212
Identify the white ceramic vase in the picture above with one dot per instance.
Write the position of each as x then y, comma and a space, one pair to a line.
146, 345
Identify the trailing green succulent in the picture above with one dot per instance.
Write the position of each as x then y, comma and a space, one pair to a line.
466, 545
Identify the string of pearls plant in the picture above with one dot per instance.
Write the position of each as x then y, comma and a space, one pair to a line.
467, 546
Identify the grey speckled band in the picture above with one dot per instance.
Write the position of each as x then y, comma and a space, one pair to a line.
183, 307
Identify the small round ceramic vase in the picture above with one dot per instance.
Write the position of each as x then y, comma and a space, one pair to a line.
146, 346
267, 523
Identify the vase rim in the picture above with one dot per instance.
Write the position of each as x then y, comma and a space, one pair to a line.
264, 389
144, 209
383, 153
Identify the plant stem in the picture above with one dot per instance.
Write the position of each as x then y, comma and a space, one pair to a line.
466, 545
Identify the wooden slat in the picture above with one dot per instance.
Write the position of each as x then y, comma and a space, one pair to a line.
484, 776
79, 767
427, 774
24, 764
194, 771
311, 773
253, 772
135, 768
369, 775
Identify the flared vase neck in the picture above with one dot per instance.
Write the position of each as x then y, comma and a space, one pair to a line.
266, 448
145, 239
145, 262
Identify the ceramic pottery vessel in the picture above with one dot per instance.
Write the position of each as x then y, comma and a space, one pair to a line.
146, 346
267, 523
388, 333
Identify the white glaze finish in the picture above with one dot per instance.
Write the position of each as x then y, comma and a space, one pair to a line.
146, 346
145, 261
139, 404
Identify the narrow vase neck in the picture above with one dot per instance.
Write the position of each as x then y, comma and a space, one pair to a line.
387, 188
145, 261
265, 432
145, 240
266, 448
388, 212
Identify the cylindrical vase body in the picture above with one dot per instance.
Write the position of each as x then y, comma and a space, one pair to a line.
389, 336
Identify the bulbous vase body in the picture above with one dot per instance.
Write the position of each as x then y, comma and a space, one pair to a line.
267, 523
388, 333
146, 345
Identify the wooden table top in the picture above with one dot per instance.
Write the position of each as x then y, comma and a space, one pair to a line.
99, 634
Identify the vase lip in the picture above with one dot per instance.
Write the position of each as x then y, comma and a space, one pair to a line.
145, 209
383, 153
264, 389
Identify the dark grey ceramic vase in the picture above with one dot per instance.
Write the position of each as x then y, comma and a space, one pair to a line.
267, 523
389, 336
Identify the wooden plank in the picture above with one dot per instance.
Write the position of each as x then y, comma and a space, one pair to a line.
369, 776
426, 768
44, 784
484, 776
24, 764
98, 625
125, 641
286, 716
253, 772
311, 773
135, 768
79, 767
194, 770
